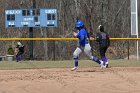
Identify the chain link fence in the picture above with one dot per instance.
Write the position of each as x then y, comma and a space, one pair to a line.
63, 50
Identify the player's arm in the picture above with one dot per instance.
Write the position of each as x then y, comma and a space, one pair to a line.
79, 35
76, 34
16, 51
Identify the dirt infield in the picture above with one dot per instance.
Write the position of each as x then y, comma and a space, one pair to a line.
62, 80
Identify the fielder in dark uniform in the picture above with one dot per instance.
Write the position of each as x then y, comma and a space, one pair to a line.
19, 51
103, 38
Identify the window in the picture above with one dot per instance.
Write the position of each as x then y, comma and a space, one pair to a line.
36, 12
51, 16
36, 19
11, 17
8, 18
33, 12
26, 12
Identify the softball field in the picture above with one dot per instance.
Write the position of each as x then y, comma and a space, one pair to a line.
122, 76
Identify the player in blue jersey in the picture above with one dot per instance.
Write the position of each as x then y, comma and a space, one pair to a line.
103, 38
83, 44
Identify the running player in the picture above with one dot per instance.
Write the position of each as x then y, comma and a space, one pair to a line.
83, 45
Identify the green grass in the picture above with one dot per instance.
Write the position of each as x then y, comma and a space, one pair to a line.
4, 65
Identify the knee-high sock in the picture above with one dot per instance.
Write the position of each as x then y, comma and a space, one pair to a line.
76, 62
96, 60
104, 59
17, 57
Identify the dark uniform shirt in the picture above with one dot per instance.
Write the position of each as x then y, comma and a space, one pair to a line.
20, 49
103, 39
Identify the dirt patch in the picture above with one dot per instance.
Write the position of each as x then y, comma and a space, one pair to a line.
62, 80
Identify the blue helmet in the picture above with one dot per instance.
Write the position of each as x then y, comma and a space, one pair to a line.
79, 23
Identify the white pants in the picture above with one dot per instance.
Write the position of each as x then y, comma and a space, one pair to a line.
86, 49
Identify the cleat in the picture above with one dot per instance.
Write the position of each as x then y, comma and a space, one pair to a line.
102, 65
107, 66
75, 68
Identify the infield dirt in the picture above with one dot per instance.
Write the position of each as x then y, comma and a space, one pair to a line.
63, 80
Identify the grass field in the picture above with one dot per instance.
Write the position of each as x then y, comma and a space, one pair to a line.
63, 64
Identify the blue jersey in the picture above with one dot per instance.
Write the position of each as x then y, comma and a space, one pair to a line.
82, 36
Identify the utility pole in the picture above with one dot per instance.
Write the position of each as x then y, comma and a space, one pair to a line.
134, 22
31, 34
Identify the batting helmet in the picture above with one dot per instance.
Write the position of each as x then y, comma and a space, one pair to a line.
79, 23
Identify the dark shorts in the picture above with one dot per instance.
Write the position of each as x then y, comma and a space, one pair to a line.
19, 53
103, 51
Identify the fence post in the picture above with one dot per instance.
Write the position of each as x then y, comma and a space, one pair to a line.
54, 50
128, 48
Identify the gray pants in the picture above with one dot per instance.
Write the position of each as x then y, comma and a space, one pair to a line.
86, 49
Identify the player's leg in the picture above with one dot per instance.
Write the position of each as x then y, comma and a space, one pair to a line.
21, 56
75, 56
103, 56
17, 57
88, 52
